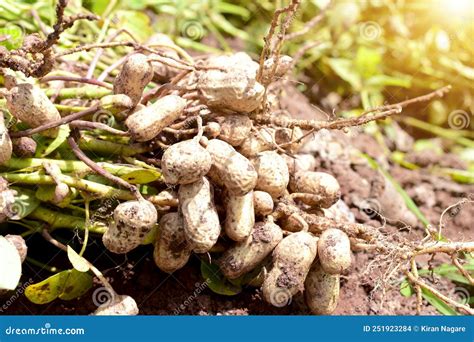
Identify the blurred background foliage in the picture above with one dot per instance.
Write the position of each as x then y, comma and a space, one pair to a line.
362, 53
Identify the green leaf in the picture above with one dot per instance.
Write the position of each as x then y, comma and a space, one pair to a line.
384, 80
25, 203
58, 141
10, 265
138, 23
78, 262
216, 280
441, 306
142, 176
76, 285
344, 68
367, 62
15, 36
66, 285
405, 289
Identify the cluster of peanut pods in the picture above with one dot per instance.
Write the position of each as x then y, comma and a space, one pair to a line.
226, 172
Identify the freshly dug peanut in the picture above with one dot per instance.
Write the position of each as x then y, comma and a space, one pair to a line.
200, 218
233, 169
240, 216
300, 162
284, 64
287, 138
24, 147
323, 188
185, 162
273, 176
321, 290
28, 103
292, 259
263, 203
148, 122
135, 75
334, 250
212, 130
235, 128
248, 254
119, 306
20, 245
5, 143
258, 141
172, 250
163, 73
119, 105
133, 220
233, 86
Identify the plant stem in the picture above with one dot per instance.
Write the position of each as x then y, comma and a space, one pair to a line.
107, 148
104, 191
457, 136
69, 166
57, 220
87, 92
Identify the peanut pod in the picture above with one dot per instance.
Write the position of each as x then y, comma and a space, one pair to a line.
201, 221
133, 220
334, 250
134, 76
321, 290
240, 216
292, 259
247, 255
29, 104
148, 122
235, 171
172, 250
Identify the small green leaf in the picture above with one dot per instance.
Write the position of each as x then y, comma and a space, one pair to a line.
216, 280
138, 23
14, 34
367, 61
25, 203
58, 141
65, 285
344, 68
10, 265
142, 176
405, 289
78, 262
76, 285
384, 80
